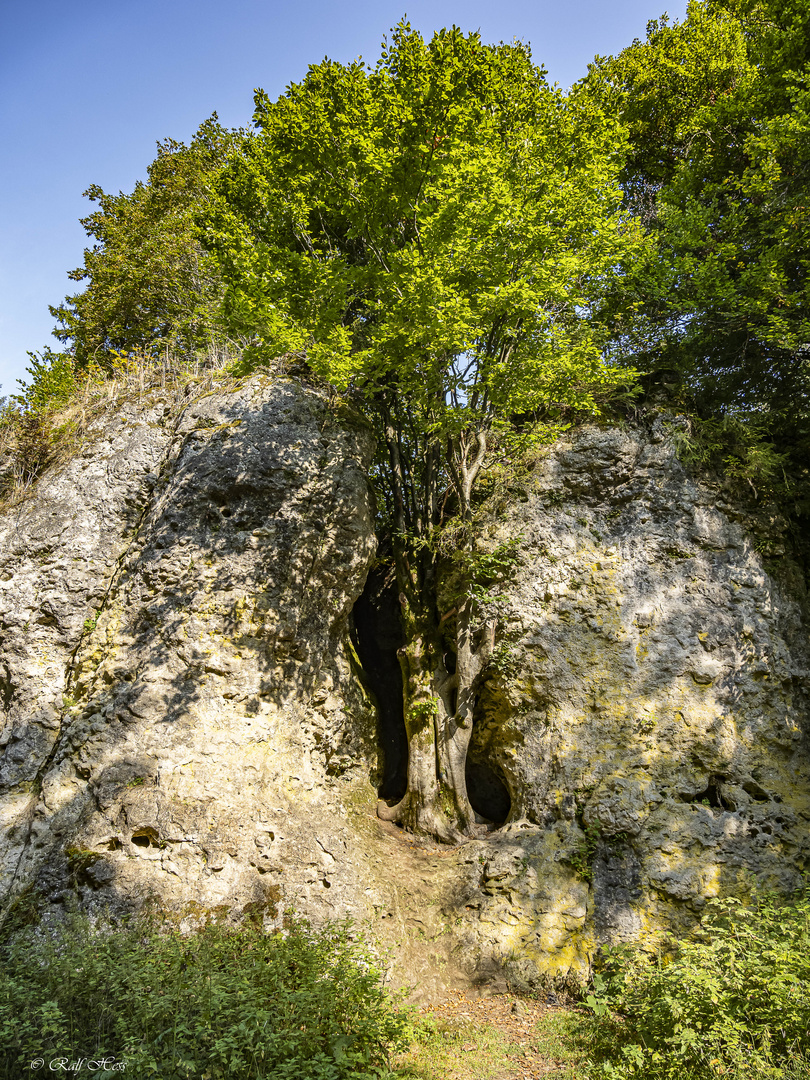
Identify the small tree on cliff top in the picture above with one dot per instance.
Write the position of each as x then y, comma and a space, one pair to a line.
434, 233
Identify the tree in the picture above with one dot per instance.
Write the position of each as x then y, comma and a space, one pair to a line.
149, 282
433, 232
718, 109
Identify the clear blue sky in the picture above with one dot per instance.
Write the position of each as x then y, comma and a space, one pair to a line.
87, 88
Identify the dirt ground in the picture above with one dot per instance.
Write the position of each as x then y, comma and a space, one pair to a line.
493, 1038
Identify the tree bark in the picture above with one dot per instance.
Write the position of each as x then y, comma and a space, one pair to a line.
438, 708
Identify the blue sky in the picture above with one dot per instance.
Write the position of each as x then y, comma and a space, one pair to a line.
86, 90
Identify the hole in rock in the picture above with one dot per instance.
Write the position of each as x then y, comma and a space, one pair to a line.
486, 789
145, 837
6, 690
757, 793
711, 796
376, 634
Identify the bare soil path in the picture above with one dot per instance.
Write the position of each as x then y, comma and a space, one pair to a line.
493, 1038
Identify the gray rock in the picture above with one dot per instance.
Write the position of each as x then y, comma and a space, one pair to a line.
183, 725
651, 720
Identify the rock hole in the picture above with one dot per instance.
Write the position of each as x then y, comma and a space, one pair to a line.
376, 634
114, 844
226, 512
6, 689
145, 838
752, 788
712, 795
486, 789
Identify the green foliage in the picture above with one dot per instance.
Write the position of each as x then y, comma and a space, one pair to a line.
739, 451
481, 571
25, 425
433, 232
505, 658
52, 382
423, 712
718, 109
306, 1004
581, 858
149, 284
734, 1002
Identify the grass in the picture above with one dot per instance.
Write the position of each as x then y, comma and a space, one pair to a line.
58, 410
501, 1038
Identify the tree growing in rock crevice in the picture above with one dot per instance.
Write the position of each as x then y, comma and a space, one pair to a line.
434, 233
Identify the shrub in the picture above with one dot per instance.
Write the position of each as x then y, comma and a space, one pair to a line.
304, 1004
733, 1002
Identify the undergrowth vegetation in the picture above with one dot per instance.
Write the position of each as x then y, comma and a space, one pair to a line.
303, 1004
734, 1002
740, 451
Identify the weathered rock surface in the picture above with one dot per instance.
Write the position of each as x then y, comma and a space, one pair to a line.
176, 678
650, 715
183, 721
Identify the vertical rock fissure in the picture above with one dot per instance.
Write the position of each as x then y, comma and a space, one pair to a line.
376, 633
487, 788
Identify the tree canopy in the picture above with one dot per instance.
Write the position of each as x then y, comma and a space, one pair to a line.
149, 283
718, 113
435, 231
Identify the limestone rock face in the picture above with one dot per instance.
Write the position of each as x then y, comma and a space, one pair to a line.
184, 722
650, 711
175, 678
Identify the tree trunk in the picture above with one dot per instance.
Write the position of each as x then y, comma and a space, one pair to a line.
438, 708
438, 703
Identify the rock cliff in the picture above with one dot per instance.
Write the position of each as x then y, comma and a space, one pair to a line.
185, 721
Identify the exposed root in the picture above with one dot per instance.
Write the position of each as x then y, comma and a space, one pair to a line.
424, 821
388, 813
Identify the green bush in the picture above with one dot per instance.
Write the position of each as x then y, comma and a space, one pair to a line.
52, 383
735, 1002
27, 432
302, 1005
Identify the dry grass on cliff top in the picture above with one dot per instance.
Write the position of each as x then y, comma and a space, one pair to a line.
493, 1038
53, 417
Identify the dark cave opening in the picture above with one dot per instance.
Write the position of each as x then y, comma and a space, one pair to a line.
376, 634
486, 789
712, 796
